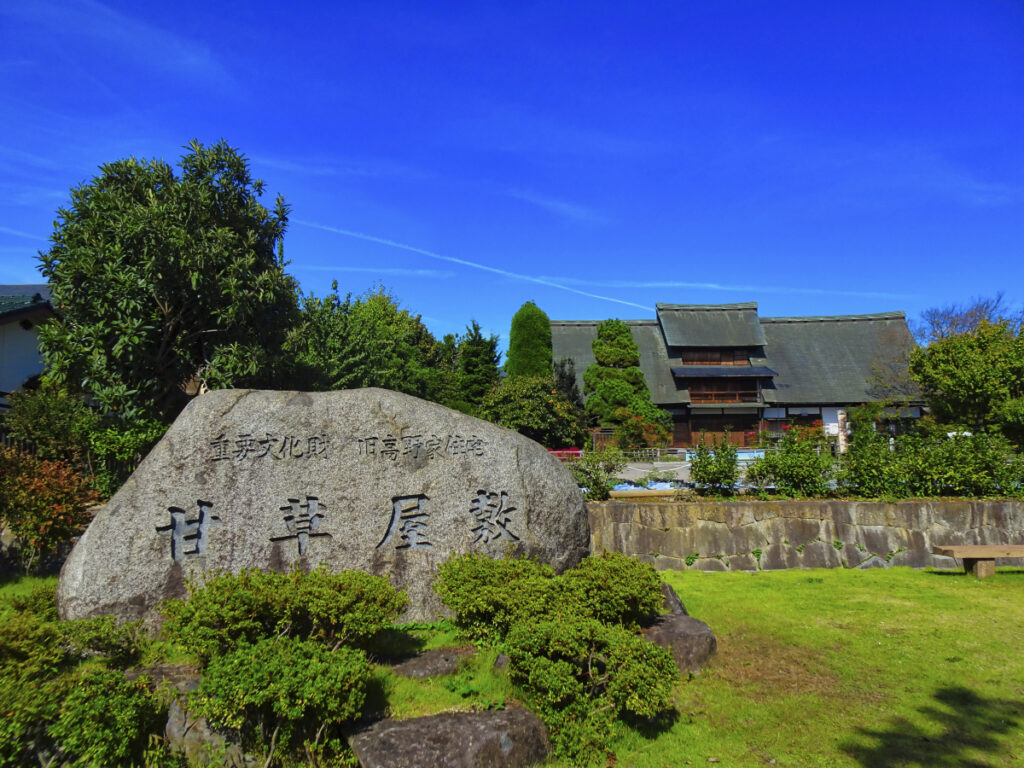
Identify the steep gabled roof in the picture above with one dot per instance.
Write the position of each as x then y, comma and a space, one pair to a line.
830, 359
573, 338
710, 325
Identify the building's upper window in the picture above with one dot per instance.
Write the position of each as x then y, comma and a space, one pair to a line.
716, 356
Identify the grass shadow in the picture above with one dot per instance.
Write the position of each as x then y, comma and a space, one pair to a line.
396, 644
651, 727
1001, 570
966, 722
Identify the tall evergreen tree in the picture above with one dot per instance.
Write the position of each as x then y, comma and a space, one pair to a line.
478, 359
615, 386
565, 382
529, 343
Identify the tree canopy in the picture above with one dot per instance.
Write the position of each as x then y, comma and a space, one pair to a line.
369, 341
167, 283
975, 379
533, 406
529, 343
955, 319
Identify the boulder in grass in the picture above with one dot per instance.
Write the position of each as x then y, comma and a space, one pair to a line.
364, 479
508, 738
690, 641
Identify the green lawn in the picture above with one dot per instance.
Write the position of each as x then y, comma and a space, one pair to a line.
814, 668
849, 668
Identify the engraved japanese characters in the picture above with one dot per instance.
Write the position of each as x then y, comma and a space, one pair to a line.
367, 479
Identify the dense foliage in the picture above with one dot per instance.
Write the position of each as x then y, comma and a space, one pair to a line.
595, 472
616, 390
931, 463
801, 464
565, 382
529, 343
282, 655
476, 365
924, 461
975, 379
56, 422
284, 694
490, 595
535, 408
348, 608
43, 504
59, 706
571, 639
715, 468
367, 341
579, 674
106, 719
165, 284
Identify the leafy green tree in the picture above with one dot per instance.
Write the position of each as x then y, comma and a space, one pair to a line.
529, 343
975, 379
368, 341
167, 283
801, 466
533, 407
615, 386
595, 471
57, 422
715, 468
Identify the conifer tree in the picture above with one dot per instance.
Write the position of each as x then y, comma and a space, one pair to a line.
529, 343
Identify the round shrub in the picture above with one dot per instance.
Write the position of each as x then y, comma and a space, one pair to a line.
579, 674
283, 694
106, 720
612, 588
490, 595
347, 608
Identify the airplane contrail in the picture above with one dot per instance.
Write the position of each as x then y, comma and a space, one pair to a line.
465, 263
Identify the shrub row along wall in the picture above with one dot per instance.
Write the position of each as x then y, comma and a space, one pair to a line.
772, 535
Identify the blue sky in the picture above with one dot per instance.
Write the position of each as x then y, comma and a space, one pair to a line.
596, 158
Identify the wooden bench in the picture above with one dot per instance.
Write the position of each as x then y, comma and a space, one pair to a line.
980, 559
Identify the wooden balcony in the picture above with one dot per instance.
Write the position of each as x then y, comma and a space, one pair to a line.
735, 396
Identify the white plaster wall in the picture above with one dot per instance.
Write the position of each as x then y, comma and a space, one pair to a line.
19, 355
830, 421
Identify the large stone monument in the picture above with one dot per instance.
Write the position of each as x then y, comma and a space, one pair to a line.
361, 479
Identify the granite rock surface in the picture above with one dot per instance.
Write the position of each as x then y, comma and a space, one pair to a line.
508, 738
360, 479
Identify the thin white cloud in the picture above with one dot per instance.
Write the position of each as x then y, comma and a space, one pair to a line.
396, 271
19, 233
452, 260
724, 287
144, 43
855, 173
553, 205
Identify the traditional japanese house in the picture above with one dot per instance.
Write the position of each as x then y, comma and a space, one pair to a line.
721, 368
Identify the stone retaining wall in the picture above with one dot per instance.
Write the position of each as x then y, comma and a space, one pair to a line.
771, 535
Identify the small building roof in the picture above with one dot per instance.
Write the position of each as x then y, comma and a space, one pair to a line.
18, 302
821, 360
25, 289
710, 325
